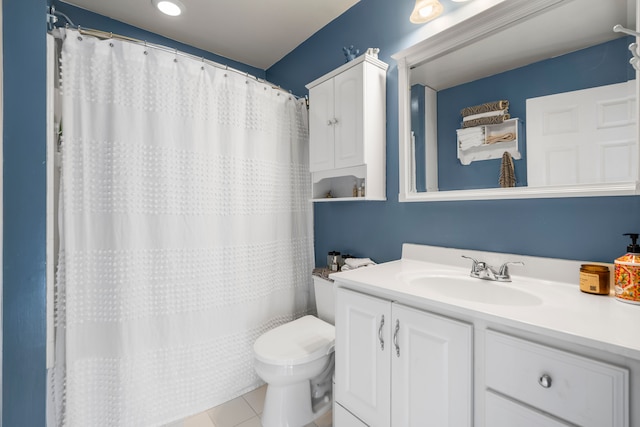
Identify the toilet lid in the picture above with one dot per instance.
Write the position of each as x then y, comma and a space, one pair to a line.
305, 339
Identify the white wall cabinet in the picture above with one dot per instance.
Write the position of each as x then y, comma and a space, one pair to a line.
347, 130
398, 366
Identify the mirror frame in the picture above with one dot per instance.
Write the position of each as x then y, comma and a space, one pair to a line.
467, 30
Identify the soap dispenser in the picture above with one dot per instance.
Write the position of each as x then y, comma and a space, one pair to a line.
627, 273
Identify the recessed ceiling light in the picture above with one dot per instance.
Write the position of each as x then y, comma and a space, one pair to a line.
169, 7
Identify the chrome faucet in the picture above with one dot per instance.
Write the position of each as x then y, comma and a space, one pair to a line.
482, 270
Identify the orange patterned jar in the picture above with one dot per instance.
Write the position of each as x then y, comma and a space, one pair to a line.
627, 273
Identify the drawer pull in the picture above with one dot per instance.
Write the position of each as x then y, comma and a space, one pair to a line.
395, 338
545, 381
380, 333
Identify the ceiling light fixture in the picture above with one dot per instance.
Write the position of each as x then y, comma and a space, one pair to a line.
169, 7
425, 11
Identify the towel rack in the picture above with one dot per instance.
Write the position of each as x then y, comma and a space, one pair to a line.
633, 47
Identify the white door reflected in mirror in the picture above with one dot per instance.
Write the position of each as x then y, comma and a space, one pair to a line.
596, 126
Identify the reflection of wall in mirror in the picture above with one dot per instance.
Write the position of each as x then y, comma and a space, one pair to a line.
599, 65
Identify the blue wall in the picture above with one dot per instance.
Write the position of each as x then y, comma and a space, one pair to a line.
583, 228
24, 187
574, 228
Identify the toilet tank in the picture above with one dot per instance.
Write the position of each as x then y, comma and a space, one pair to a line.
325, 301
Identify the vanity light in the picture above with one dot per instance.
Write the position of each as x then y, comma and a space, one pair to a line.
169, 7
425, 10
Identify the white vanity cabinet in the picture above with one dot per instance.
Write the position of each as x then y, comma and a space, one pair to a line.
398, 366
347, 130
476, 352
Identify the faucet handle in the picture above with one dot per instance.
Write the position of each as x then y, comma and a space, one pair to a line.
504, 268
477, 265
475, 261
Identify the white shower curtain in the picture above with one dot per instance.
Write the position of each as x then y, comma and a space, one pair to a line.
185, 229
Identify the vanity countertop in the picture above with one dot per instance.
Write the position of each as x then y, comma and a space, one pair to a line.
564, 312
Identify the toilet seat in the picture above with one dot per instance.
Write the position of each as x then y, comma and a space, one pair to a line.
303, 340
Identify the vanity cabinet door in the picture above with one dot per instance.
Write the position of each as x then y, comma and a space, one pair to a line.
431, 370
363, 365
344, 418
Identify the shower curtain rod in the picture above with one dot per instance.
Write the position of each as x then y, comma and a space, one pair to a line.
105, 35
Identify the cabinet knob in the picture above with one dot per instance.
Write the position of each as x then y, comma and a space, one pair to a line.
329, 122
545, 381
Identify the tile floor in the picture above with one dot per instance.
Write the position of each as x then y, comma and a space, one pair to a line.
243, 411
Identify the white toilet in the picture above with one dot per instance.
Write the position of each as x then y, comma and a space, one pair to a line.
296, 361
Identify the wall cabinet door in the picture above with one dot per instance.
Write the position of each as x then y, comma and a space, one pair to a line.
349, 110
431, 370
336, 121
363, 364
321, 126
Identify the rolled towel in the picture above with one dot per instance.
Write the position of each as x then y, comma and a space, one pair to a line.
462, 133
483, 108
505, 137
358, 262
477, 137
493, 120
474, 138
483, 115
469, 144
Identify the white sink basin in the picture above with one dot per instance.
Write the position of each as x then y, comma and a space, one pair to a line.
456, 286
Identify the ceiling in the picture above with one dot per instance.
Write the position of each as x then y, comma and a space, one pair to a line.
256, 33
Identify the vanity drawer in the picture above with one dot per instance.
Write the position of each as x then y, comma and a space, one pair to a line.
574, 388
502, 412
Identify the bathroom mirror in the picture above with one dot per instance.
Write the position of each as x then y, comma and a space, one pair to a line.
543, 57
